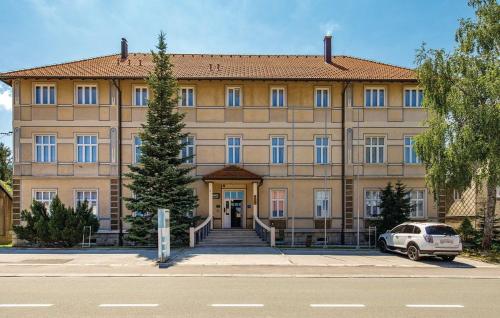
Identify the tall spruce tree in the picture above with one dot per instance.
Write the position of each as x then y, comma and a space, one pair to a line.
161, 180
395, 207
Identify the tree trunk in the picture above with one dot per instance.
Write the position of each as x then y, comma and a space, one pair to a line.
489, 214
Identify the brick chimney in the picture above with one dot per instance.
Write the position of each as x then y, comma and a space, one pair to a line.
124, 49
327, 42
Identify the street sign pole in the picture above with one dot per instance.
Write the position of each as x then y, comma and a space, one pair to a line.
163, 235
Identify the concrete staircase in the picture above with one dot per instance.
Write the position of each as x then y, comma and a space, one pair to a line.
232, 238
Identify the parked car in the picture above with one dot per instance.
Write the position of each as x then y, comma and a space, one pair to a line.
421, 239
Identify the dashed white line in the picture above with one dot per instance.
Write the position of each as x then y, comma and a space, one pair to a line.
237, 305
24, 305
434, 306
128, 305
337, 305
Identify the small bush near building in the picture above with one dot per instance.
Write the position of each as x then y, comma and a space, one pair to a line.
60, 226
467, 231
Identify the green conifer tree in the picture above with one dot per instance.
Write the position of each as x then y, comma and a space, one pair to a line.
395, 206
161, 180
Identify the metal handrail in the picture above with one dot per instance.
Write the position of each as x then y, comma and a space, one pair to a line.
199, 233
265, 232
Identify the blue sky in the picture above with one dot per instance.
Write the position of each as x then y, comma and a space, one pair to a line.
39, 32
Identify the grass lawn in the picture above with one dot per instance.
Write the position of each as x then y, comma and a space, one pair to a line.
5, 245
489, 257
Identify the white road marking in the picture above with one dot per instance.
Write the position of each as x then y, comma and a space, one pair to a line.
337, 305
434, 306
128, 305
24, 305
237, 305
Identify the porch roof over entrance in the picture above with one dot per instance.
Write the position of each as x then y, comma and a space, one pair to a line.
232, 173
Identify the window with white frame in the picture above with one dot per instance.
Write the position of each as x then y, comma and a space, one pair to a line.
278, 203
137, 149
321, 145
45, 94
457, 195
410, 153
278, 150
374, 149
187, 97
141, 96
233, 149
44, 196
322, 97
374, 97
86, 94
233, 97
321, 203
417, 201
45, 148
187, 152
278, 97
86, 148
498, 192
90, 196
413, 97
372, 202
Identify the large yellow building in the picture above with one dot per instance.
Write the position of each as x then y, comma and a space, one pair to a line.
302, 142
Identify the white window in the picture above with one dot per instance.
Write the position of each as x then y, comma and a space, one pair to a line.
90, 196
187, 152
321, 146
233, 149
137, 149
278, 203
417, 200
44, 196
45, 148
372, 202
233, 97
410, 153
86, 148
457, 195
374, 149
278, 98
498, 192
86, 94
322, 97
141, 96
187, 97
321, 203
278, 150
413, 97
374, 97
45, 94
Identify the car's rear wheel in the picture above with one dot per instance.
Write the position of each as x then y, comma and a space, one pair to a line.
448, 258
382, 245
413, 252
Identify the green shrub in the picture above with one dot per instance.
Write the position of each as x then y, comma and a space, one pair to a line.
63, 226
467, 231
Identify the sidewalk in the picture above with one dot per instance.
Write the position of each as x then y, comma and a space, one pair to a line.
251, 262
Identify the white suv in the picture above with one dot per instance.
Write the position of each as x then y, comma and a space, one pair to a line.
418, 239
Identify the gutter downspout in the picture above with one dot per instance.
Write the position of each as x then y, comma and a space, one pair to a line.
116, 83
342, 233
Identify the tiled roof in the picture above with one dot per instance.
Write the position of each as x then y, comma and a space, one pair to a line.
232, 173
205, 66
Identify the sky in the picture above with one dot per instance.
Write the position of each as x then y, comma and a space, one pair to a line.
40, 32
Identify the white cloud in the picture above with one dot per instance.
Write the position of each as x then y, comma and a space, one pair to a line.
6, 100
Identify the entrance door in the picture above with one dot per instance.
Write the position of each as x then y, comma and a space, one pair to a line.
233, 209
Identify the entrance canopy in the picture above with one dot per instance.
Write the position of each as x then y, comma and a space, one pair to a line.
232, 173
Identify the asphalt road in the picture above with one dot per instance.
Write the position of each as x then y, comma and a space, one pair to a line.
247, 297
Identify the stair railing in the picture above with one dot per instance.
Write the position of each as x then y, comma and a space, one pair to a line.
265, 232
199, 233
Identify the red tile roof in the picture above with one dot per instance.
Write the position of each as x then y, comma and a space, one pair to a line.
206, 66
232, 173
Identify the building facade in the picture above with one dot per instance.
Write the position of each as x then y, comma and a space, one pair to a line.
303, 142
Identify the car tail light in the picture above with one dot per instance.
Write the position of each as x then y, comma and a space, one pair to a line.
428, 238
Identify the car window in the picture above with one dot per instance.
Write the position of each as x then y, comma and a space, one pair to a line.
408, 229
440, 230
398, 229
416, 230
